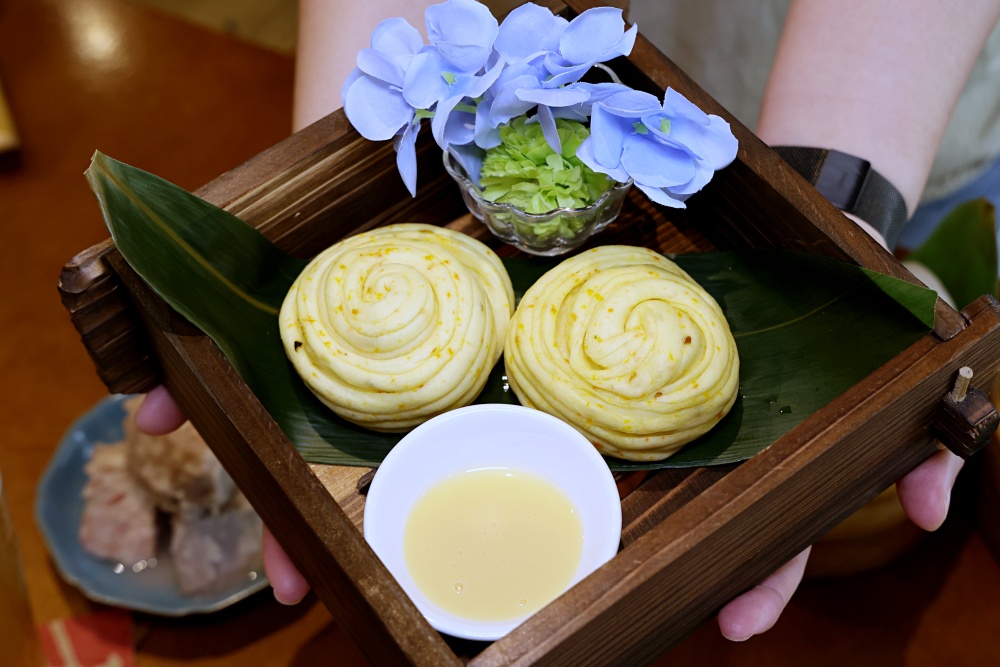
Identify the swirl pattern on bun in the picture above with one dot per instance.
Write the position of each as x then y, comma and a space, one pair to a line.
624, 345
394, 326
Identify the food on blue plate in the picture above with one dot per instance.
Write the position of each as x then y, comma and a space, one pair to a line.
178, 469
396, 325
625, 346
119, 517
149, 489
214, 551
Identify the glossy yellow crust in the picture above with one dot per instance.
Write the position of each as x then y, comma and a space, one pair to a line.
621, 343
394, 326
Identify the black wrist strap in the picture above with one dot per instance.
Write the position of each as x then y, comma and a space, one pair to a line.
851, 185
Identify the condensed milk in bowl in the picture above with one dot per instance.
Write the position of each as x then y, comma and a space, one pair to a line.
487, 513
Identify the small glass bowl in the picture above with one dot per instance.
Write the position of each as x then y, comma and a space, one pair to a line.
547, 234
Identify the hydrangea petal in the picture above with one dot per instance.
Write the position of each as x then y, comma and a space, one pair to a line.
702, 175
464, 57
487, 136
463, 31
381, 66
563, 73
672, 132
395, 37
423, 84
598, 92
715, 139
586, 154
528, 30
376, 110
724, 147
515, 70
622, 48
549, 129
653, 163
406, 156
660, 196
592, 34
471, 159
478, 85
507, 105
624, 45
460, 128
676, 105
353, 76
440, 120
573, 112
461, 22
712, 141
607, 132
559, 97
631, 104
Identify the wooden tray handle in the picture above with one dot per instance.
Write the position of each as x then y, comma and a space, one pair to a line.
109, 328
966, 419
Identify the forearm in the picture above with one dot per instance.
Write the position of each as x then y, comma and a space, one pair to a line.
874, 78
331, 32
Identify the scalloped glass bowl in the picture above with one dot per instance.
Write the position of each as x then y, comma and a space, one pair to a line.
548, 234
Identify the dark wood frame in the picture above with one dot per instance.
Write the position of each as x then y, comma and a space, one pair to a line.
692, 539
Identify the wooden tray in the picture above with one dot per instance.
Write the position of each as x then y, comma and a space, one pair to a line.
692, 539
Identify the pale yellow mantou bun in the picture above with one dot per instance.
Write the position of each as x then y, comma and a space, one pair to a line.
621, 343
394, 326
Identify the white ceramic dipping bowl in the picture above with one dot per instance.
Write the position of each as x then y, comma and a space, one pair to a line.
490, 436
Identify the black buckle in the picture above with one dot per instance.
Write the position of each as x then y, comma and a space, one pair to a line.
850, 184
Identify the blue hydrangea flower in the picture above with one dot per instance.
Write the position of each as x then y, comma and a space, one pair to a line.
372, 95
596, 92
528, 32
525, 38
463, 32
525, 92
671, 150
430, 84
553, 55
476, 76
457, 65
405, 144
595, 36
502, 99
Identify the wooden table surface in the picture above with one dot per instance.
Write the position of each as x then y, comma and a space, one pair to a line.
188, 105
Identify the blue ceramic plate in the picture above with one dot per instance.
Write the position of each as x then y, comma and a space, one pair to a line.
59, 508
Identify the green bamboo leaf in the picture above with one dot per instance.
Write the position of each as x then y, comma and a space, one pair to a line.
807, 328
962, 252
920, 301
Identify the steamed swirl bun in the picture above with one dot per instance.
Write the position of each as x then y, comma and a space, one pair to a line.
622, 344
394, 326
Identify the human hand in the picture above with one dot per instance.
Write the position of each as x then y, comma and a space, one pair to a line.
159, 414
288, 584
924, 493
